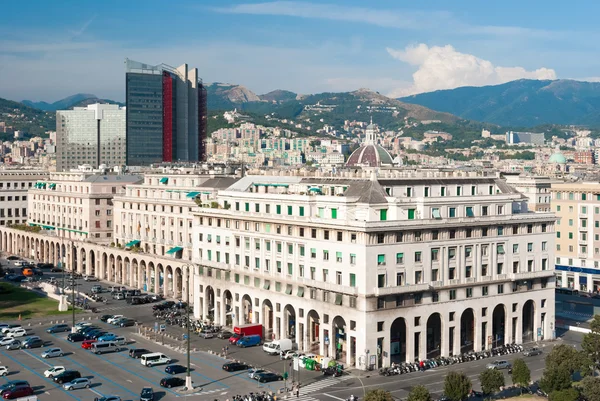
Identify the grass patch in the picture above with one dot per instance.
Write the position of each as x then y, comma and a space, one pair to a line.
15, 301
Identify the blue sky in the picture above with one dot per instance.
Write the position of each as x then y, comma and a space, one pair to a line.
49, 50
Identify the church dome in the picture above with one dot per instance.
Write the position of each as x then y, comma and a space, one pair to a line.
370, 155
557, 158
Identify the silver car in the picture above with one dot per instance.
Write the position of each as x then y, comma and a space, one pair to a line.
77, 383
52, 353
499, 365
15, 344
532, 351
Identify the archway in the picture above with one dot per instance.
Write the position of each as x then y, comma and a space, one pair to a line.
267, 318
247, 309
178, 283
313, 322
398, 341
103, 266
434, 335
133, 274
228, 301
143, 276
528, 321
169, 292
467, 331
124, 272
82, 261
117, 270
91, 268
339, 338
498, 326
289, 322
161, 279
151, 277
209, 303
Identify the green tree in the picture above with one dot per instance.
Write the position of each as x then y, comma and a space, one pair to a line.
520, 373
378, 395
555, 378
590, 387
591, 341
568, 357
491, 381
457, 386
568, 394
419, 393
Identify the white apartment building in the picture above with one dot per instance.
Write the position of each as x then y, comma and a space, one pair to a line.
93, 135
402, 267
77, 205
535, 188
156, 215
14, 185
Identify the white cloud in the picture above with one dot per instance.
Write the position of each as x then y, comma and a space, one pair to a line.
445, 68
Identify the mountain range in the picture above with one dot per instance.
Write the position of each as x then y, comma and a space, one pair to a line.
77, 100
521, 103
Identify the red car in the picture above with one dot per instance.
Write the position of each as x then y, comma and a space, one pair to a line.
17, 392
234, 338
87, 344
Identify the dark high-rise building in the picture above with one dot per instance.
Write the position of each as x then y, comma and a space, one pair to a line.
166, 114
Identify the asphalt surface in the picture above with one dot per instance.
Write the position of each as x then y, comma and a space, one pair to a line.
120, 375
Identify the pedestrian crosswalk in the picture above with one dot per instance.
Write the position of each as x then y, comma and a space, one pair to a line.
307, 390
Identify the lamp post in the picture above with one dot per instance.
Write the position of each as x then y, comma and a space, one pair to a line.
73, 330
188, 377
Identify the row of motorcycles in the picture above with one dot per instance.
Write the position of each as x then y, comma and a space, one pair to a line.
264, 396
408, 367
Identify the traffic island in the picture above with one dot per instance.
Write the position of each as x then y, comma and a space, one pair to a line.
186, 391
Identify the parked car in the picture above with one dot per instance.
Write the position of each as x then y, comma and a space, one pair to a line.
3, 371
44, 265
532, 351
33, 343
9, 328
66, 376
52, 353
175, 369
75, 337
224, 335
90, 278
269, 377
13, 257
15, 344
108, 398
253, 373
127, 322
6, 340
19, 332
87, 344
235, 366
290, 355
207, 334
17, 392
172, 381
20, 263
500, 364
58, 328
118, 296
96, 289
104, 318
11, 384
56, 270
77, 383
107, 337
138, 352
54, 371
82, 325
147, 394
114, 318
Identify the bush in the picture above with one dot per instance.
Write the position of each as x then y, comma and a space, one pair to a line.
555, 379
419, 393
569, 394
378, 395
457, 386
520, 373
590, 388
491, 381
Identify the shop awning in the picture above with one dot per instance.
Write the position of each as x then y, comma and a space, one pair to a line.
174, 250
164, 180
192, 194
132, 243
583, 280
314, 189
300, 291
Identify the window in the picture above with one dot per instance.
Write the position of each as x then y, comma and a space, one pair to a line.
338, 257
399, 279
325, 255
470, 292
468, 252
301, 210
468, 270
426, 192
484, 270
290, 249
411, 214
515, 248
380, 238
451, 212
530, 247
352, 280
418, 277
290, 210
500, 288
380, 260
469, 211
382, 214
484, 290
435, 253
418, 257
452, 295
451, 253
278, 209
499, 268
352, 259
451, 273
500, 230
544, 245
381, 280
379, 326
500, 249
435, 213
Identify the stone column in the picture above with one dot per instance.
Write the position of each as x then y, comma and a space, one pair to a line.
477, 319
457, 336
423, 344
322, 345
410, 342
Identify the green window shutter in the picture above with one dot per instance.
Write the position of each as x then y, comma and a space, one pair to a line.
290, 269
302, 250
334, 213
290, 210
246, 280
383, 214
352, 280
381, 259
301, 210
256, 282
209, 254
411, 214
247, 206
237, 278
201, 271
237, 205
277, 286
267, 228
321, 212
291, 249
278, 207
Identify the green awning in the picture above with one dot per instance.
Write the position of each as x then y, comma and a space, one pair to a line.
192, 194
48, 228
52, 186
315, 189
132, 243
300, 291
175, 249
288, 289
164, 180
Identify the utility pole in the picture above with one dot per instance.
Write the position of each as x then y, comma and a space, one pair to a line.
188, 378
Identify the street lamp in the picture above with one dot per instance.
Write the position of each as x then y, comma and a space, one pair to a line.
188, 377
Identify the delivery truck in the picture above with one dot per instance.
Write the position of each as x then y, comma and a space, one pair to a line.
248, 330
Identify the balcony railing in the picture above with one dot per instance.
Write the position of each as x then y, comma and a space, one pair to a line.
531, 275
401, 289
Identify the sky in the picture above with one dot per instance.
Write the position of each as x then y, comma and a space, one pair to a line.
50, 50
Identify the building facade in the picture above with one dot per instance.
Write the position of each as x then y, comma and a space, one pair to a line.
374, 271
534, 138
77, 205
535, 188
92, 135
166, 114
14, 187
577, 208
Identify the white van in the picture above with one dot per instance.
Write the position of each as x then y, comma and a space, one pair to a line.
104, 347
155, 358
278, 346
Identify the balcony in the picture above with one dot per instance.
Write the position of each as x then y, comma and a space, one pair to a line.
436, 284
401, 289
531, 275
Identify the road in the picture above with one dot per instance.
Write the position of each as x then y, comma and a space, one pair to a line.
119, 374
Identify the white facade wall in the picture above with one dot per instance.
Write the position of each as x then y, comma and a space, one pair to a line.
14, 185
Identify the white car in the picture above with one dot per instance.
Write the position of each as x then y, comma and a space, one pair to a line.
5, 330
90, 278
114, 319
3, 371
5, 341
19, 263
290, 355
20, 332
54, 370
82, 324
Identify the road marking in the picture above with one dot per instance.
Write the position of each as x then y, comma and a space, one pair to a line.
47, 393
37, 359
95, 392
129, 381
223, 393
334, 397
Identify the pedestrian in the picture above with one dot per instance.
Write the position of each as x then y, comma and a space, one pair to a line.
422, 366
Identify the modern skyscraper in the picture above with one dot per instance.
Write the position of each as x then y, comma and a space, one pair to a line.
166, 114
91, 135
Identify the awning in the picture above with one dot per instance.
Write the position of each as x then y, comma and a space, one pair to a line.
164, 180
52, 186
192, 194
300, 291
132, 243
315, 189
288, 289
338, 299
267, 285
583, 280
174, 249
436, 213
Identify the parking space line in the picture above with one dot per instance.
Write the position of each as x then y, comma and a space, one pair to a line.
39, 375
96, 392
36, 358
103, 377
242, 375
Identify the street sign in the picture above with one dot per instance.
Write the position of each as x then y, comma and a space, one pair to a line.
185, 336
539, 331
163, 327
